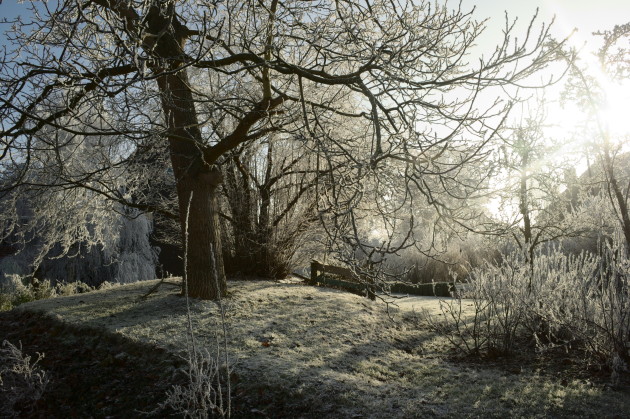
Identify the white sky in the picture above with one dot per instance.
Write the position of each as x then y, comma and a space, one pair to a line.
586, 15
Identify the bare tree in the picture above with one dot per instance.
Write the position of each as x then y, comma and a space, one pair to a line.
395, 75
270, 205
49, 226
588, 90
534, 172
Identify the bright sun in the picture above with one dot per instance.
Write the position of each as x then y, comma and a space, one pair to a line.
572, 126
612, 116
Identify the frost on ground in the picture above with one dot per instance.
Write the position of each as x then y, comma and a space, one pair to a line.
303, 351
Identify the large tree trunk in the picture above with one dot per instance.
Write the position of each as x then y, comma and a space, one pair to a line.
204, 274
193, 162
197, 184
197, 180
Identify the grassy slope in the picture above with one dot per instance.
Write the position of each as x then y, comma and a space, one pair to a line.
305, 351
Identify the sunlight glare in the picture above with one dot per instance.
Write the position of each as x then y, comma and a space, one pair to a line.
614, 112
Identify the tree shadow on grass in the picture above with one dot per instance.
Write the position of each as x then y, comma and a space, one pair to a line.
312, 352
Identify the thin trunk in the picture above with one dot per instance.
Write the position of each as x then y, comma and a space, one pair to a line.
239, 196
528, 246
617, 195
263, 224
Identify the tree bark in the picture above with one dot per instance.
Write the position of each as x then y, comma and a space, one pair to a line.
204, 274
528, 244
197, 180
615, 190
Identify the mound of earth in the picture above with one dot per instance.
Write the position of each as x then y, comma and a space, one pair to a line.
294, 350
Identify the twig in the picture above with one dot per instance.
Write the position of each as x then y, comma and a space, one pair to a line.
154, 288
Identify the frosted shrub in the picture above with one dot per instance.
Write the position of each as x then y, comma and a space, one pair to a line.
583, 303
21, 382
558, 284
12, 290
598, 310
202, 396
11, 284
580, 303
16, 290
499, 295
72, 288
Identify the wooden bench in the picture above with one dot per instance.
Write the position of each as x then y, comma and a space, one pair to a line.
363, 286
351, 281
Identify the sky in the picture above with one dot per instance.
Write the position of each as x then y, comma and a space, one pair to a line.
587, 16
11, 8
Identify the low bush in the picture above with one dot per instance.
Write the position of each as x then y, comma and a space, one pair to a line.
22, 382
16, 290
204, 394
578, 303
437, 289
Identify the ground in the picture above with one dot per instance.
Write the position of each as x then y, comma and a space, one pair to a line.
93, 374
295, 351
